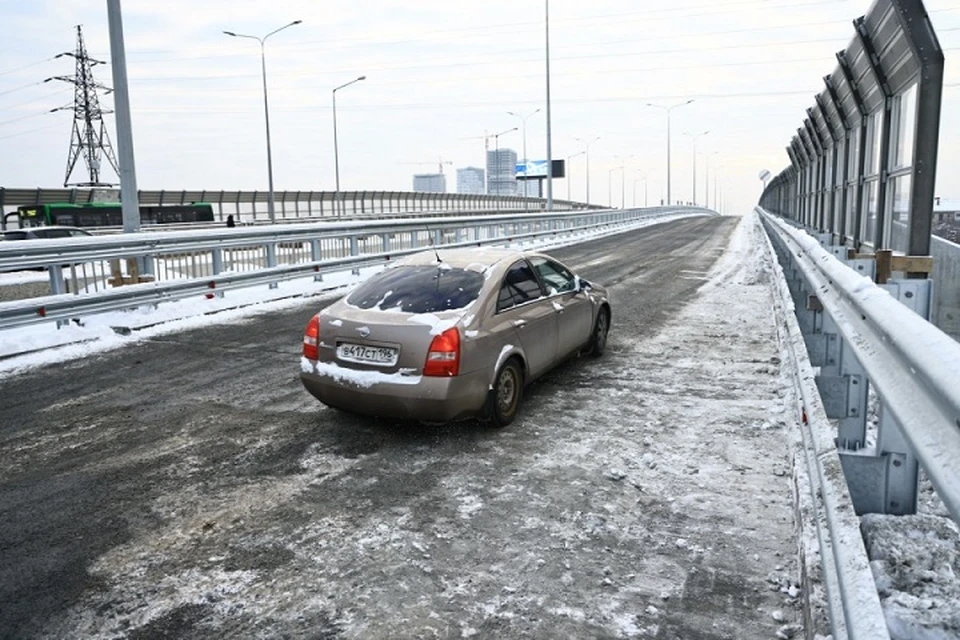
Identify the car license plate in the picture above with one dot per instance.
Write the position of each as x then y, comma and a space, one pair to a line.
365, 354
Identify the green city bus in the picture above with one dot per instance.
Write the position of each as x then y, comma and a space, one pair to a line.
109, 214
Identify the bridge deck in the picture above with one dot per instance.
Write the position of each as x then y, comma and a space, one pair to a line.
645, 494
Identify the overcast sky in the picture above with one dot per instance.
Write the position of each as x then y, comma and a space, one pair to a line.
440, 76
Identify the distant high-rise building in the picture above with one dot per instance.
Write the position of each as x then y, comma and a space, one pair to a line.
430, 183
470, 180
502, 172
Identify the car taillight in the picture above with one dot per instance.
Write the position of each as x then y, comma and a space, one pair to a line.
311, 337
443, 359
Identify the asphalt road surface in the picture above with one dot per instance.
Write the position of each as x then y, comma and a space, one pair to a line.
187, 487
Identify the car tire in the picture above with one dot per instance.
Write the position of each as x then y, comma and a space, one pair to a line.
506, 393
601, 329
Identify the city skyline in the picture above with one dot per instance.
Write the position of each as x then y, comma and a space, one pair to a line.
445, 81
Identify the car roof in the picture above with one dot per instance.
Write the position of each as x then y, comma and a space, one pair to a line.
464, 257
57, 226
41, 230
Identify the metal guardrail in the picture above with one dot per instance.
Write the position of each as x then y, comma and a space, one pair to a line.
912, 364
325, 248
855, 334
251, 206
853, 604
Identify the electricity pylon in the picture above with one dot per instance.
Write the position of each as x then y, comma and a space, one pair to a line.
89, 137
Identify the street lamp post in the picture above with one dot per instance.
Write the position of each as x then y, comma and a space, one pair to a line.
266, 110
706, 180
336, 149
695, 138
523, 120
623, 179
668, 109
610, 185
546, 13
586, 150
568, 178
635, 181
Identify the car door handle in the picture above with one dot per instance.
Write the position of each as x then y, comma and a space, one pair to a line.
519, 324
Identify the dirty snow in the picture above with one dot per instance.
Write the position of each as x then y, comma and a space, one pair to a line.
357, 377
915, 559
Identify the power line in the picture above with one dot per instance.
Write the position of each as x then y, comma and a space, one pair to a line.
26, 66
43, 97
567, 74
577, 22
489, 104
21, 133
30, 115
21, 88
515, 61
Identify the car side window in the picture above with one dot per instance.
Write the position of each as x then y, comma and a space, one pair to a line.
520, 285
52, 233
556, 277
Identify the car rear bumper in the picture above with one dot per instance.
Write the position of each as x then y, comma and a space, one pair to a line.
431, 399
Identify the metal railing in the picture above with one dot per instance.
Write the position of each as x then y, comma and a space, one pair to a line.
853, 604
859, 335
251, 206
859, 329
176, 265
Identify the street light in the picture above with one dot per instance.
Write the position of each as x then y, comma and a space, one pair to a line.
266, 109
668, 109
623, 180
523, 119
706, 180
610, 184
586, 150
567, 165
635, 181
546, 15
695, 138
336, 149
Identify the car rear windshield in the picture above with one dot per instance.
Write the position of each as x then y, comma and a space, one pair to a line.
418, 289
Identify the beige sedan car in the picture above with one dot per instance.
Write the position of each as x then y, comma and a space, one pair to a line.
448, 334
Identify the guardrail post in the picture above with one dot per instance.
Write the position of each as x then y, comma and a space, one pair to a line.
902, 468
316, 256
57, 285
272, 259
901, 465
355, 251
217, 258
386, 241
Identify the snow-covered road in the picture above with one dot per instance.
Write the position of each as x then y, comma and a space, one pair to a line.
647, 494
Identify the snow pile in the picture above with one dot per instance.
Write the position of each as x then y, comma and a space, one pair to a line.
916, 563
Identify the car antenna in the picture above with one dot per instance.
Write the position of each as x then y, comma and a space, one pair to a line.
435, 251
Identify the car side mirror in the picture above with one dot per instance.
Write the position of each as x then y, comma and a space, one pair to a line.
582, 285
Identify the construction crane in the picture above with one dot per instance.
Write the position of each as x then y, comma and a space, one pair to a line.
440, 164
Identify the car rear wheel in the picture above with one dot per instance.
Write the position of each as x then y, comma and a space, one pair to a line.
601, 329
506, 393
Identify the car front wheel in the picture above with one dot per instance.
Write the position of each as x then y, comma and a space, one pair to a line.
601, 329
506, 393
